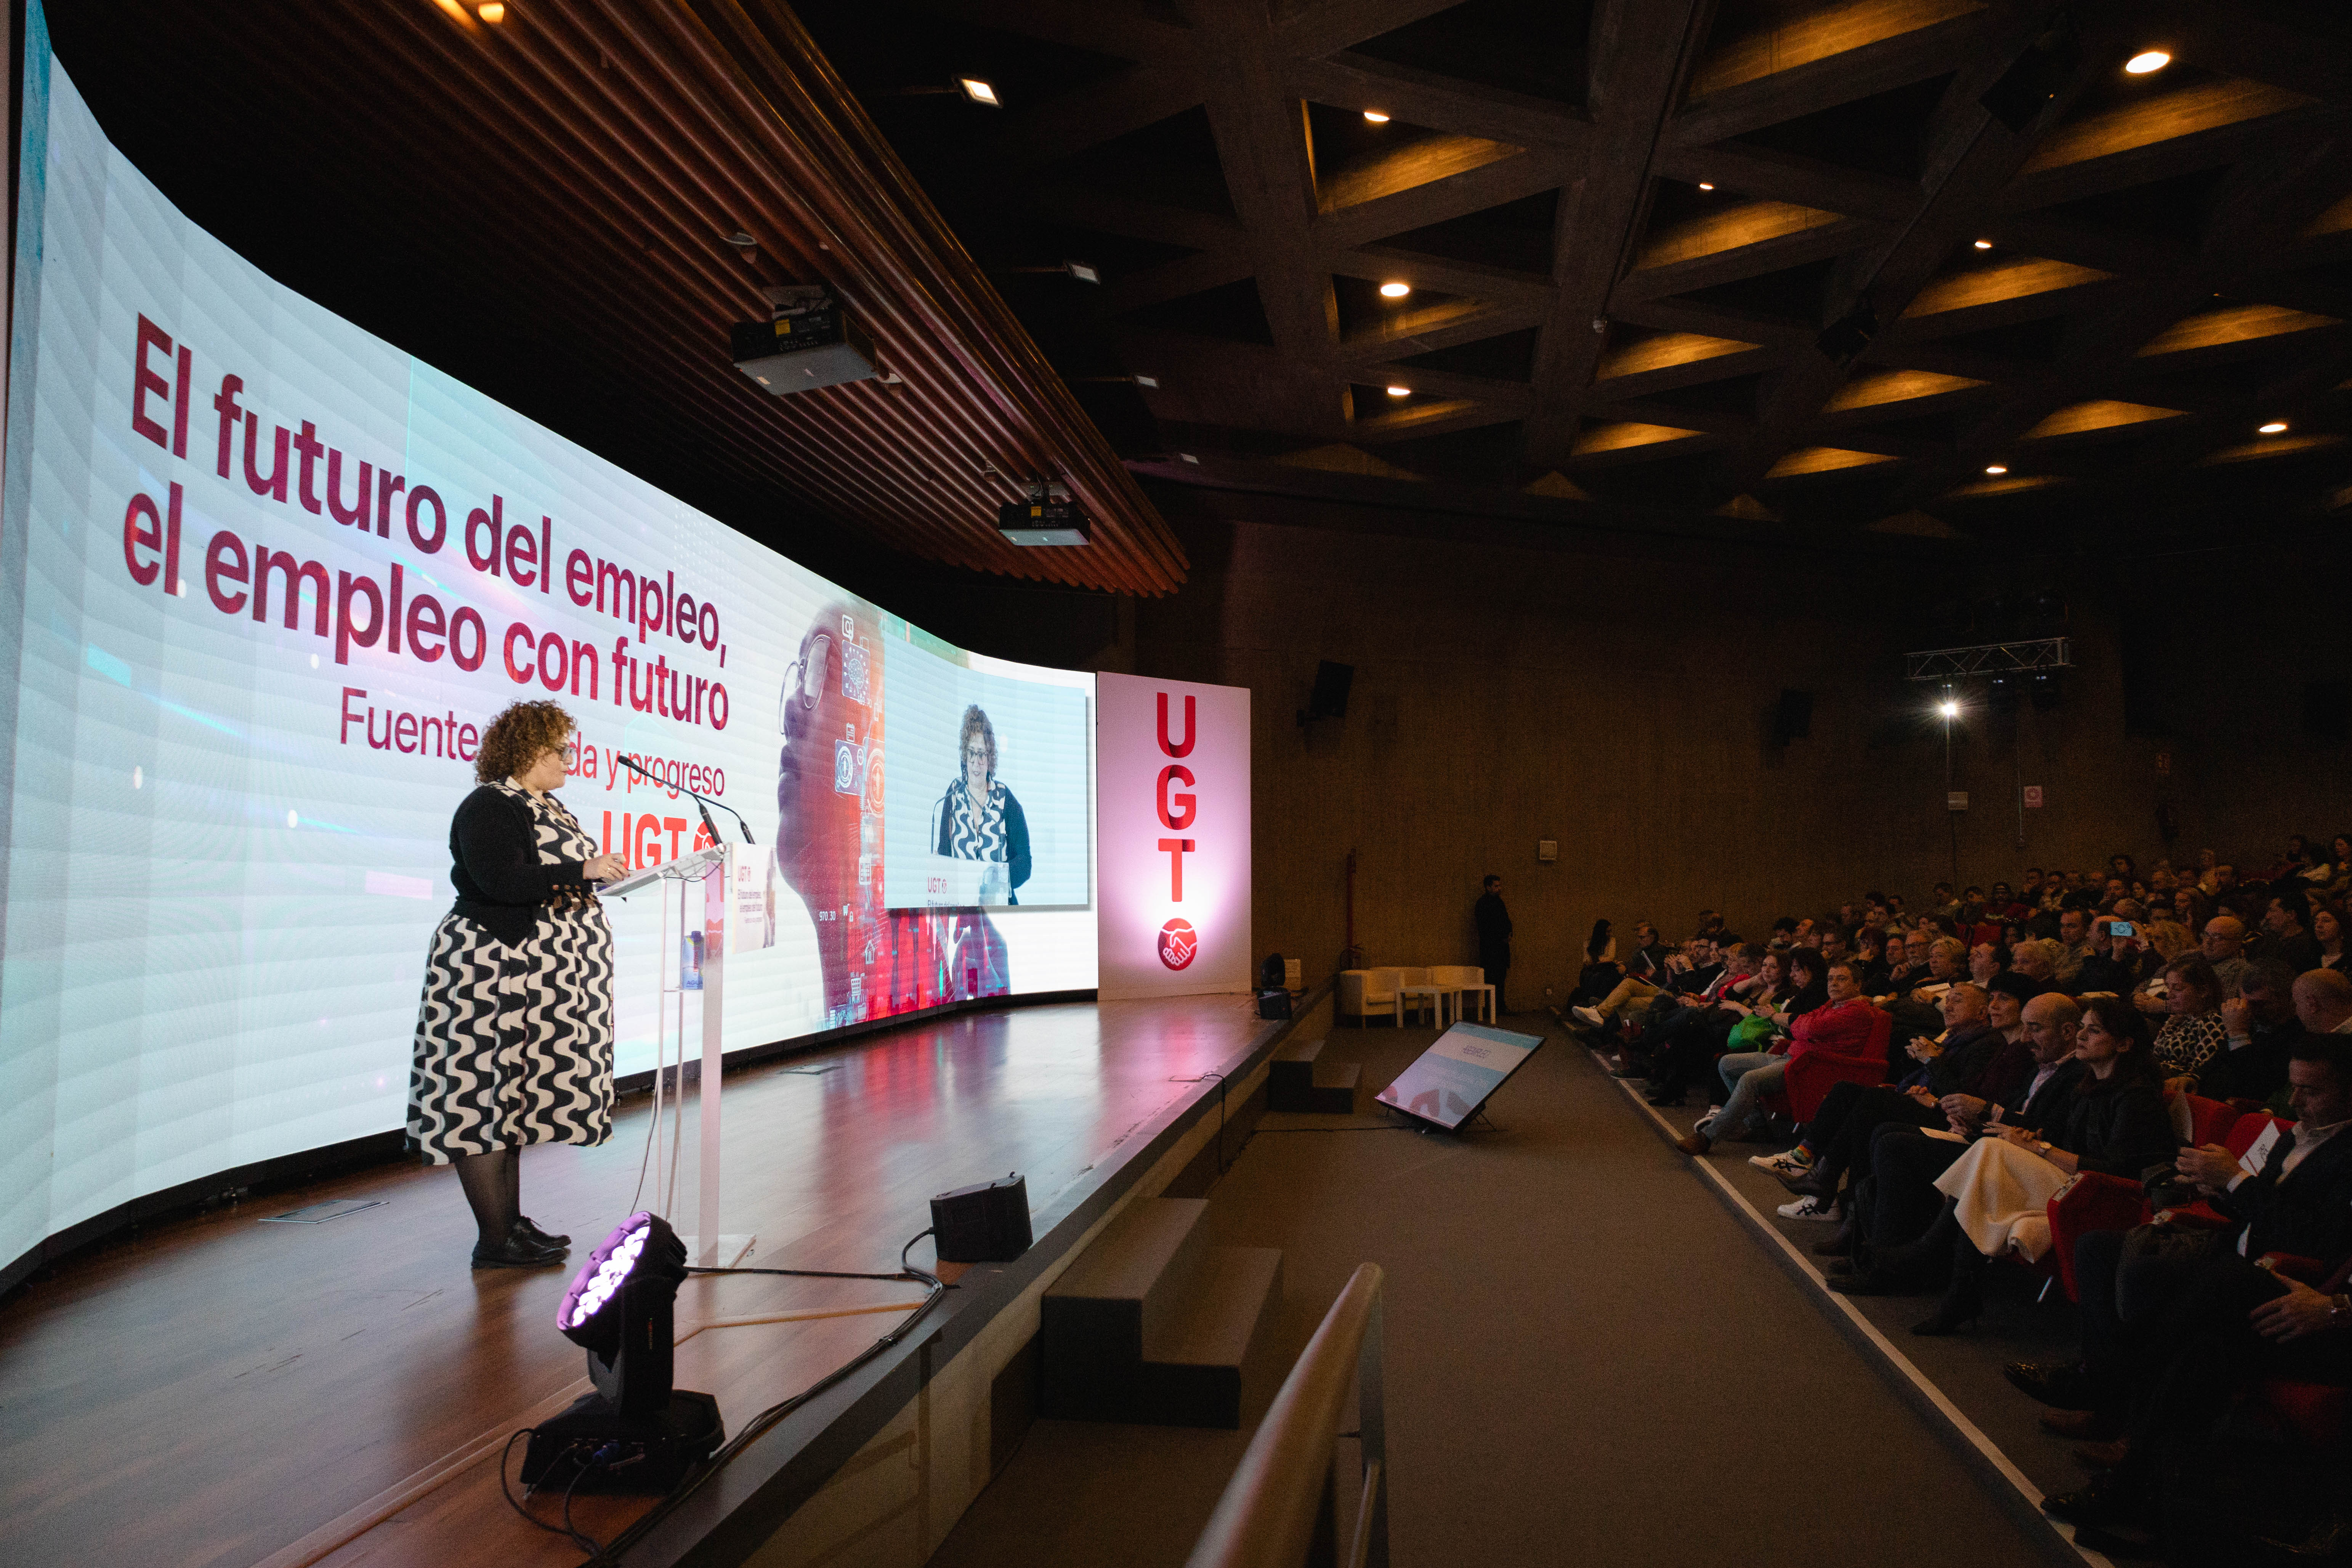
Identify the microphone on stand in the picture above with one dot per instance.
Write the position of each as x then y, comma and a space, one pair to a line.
702, 804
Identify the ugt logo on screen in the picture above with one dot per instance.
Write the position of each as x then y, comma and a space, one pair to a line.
1178, 944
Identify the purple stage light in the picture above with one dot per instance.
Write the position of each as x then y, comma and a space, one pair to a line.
608, 1266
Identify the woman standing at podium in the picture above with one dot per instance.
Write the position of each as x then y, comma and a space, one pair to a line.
514, 1035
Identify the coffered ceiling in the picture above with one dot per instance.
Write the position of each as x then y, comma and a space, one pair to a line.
1625, 224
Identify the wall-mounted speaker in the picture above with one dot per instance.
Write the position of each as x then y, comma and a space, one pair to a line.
1330, 698
1793, 719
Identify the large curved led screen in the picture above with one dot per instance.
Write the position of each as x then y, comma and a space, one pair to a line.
266, 579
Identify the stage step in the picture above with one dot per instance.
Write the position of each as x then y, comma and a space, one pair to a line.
1152, 1326
1298, 1079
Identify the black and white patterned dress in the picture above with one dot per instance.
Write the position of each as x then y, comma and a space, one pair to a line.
514, 1045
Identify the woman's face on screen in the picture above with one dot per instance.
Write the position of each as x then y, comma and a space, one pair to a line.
975, 762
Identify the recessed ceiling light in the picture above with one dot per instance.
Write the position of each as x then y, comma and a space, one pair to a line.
1407, 392
1150, 381
978, 91
492, 12
1376, 116
1082, 272
2147, 60
1984, 245
1996, 467
2275, 427
1706, 185
1395, 290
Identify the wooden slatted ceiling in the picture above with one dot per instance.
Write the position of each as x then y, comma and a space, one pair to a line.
590, 156
1599, 316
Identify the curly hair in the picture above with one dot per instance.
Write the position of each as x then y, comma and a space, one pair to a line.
975, 723
517, 737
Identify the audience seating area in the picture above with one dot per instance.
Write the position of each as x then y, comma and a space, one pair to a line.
2012, 1079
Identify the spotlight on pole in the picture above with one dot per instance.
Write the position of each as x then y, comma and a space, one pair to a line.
635, 1433
1949, 709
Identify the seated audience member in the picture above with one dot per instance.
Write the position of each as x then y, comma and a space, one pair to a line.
2192, 907
2163, 941
1869, 946
1843, 1025
1916, 1006
2034, 967
2262, 1029
1602, 972
1985, 963
1948, 1063
2075, 943
2000, 1187
1678, 1047
1897, 1201
1691, 971
2286, 932
2110, 962
1712, 1014
2336, 878
1650, 953
2170, 1336
2327, 929
2193, 1032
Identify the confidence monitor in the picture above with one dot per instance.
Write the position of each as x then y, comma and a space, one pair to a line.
1455, 1076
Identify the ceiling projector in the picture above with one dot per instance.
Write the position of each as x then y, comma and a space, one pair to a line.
812, 342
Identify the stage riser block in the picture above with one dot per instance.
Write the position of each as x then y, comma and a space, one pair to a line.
1298, 1081
1153, 1327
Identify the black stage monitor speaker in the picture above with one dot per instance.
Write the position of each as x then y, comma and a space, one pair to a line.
984, 1224
1793, 719
1330, 698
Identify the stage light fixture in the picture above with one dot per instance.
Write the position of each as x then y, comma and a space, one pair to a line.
492, 12
2275, 427
2146, 62
1706, 185
1153, 382
1996, 467
1395, 290
1984, 245
1949, 709
1082, 272
978, 91
637, 1432
1400, 391
1376, 116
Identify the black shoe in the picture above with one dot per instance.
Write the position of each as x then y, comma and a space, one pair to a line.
529, 1227
1838, 1246
1873, 1282
1949, 1319
1634, 1071
2107, 1501
2062, 1385
1840, 1268
1669, 1100
517, 1251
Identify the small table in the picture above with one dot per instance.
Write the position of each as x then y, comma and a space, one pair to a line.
1485, 994
1436, 996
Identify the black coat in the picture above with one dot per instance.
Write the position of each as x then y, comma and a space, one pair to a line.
2118, 1129
495, 864
2309, 1213
1493, 932
2255, 1070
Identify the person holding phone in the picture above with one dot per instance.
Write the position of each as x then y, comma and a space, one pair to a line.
514, 1032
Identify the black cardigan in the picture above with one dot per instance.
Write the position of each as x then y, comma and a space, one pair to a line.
1016, 836
494, 851
2119, 1129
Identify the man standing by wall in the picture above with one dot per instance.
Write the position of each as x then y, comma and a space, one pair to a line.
1493, 937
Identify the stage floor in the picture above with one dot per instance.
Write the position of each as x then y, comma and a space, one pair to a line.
217, 1391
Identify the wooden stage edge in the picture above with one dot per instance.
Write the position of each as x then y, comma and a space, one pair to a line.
216, 1443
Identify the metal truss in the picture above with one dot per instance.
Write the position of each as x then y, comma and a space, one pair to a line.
1989, 658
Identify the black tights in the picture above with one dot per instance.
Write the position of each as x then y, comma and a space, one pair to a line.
493, 1184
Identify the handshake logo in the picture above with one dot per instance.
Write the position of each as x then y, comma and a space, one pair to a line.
1178, 944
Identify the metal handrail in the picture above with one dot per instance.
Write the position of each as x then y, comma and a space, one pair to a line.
1281, 1508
